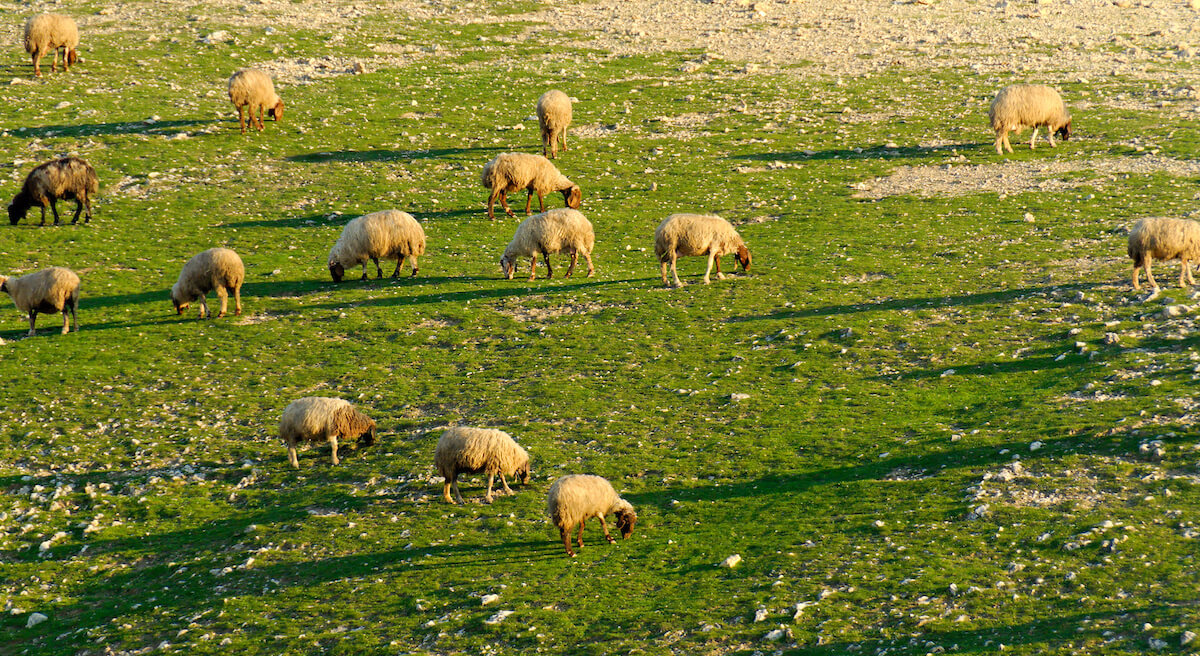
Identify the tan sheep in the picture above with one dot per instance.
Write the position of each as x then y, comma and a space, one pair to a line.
1165, 239
576, 498
46, 33
50, 290
554, 117
320, 418
216, 268
698, 234
252, 88
385, 234
512, 172
467, 450
557, 231
1019, 106
66, 179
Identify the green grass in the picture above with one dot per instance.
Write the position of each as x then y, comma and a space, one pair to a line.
898, 355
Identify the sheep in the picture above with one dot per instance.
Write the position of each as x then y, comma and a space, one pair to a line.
698, 234
216, 268
467, 450
1019, 106
69, 178
252, 88
512, 172
576, 498
554, 117
384, 234
50, 33
1165, 239
557, 231
50, 290
316, 418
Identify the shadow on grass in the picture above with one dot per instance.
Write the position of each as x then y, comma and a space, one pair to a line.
127, 127
309, 221
878, 152
389, 155
919, 302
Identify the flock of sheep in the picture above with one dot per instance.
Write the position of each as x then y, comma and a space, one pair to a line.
392, 234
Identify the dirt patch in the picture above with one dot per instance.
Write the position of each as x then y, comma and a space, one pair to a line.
526, 314
1009, 178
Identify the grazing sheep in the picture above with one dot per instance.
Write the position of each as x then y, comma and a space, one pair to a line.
512, 172
466, 450
1165, 239
1019, 106
556, 231
50, 33
698, 234
50, 290
385, 234
576, 498
317, 418
69, 178
216, 268
250, 87
554, 117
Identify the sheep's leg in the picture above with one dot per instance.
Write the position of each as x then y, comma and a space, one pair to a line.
1187, 265
78, 209
574, 259
1136, 270
66, 326
333, 444
204, 307
292, 459
43, 216
533, 267
87, 203
242, 118
541, 203
674, 273
54, 61
237, 300
591, 269
37, 61
546, 259
399, 261
566, 539
1033, 139
378, 271
717, 259
1050, 136
364, 270
260, 117
32, 319
709, 269
1183, 272
564, 139
446, 490
54, 210
504, 482
223, 296
454, 487
605, 527
414, 263
663, 266
529, 200
504, 204
74, 311
1149, 274
580, 539
491, 479
66, 60
1000, 142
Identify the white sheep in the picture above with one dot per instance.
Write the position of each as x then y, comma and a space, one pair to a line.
1019, 106
557, 231
50, 290
554, 117
467, 450
321, 418
216, 268
698, 234
252, 88
1166, 239
512, 172
60, 179
384, 234
50, 33
576, 498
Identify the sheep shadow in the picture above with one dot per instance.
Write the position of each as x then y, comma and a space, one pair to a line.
308, 221
873, 152
386, 155
1052, 359
510, 289
918, 303
95, 129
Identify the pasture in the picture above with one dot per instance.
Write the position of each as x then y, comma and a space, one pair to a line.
934, 417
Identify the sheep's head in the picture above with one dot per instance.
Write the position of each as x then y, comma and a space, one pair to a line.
743, 257
4, 284
177, 300
15, 213
626, 518
508, 265
523, 471
276, 112
573, 197
336, 270
72, 56
368, 437
1064, 132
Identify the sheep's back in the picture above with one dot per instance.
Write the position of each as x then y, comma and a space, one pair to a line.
466, 449
48, 290
693, 234
576, 497
1165, 238
307, 419
554, 110
251, 86
46, 31
1026, 104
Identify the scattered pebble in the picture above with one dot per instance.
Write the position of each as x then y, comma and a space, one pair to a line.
35, 619
731, 561
498, 617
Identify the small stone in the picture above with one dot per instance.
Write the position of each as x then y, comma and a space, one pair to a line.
1188, 636
1111, 339
738, 396
1158, 645
1029, 217
775, 635
1035, 445
35, 619
731, 561
498, 617
760, 615
488, 599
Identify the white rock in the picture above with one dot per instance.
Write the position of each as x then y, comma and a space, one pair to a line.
800, 606
1175, 311
738, 396
775, 635
1034, 446
760, 615
498, 617
488, 599
1029, 217
1158, 645
35, 619
1188, 636
731, 561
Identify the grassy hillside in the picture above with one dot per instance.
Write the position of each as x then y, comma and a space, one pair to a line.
933, 417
